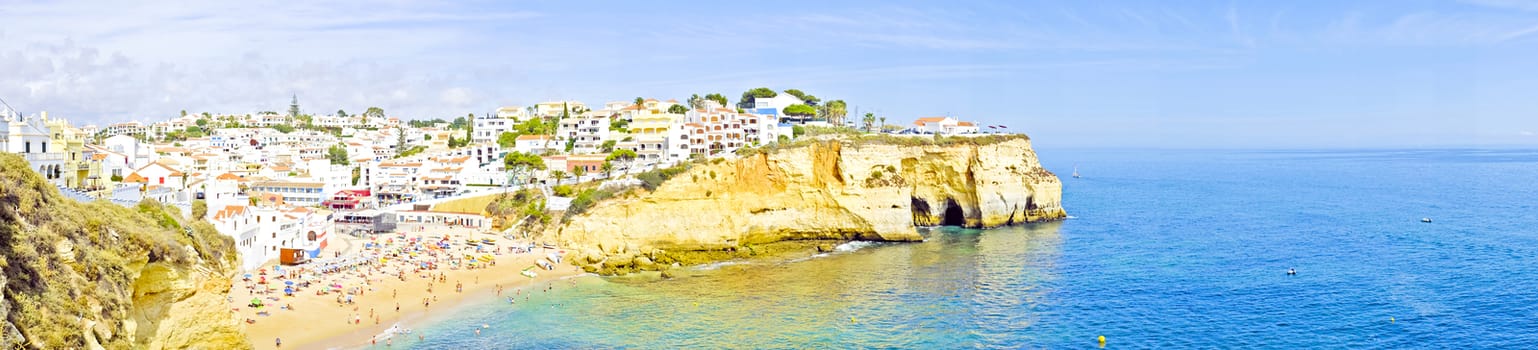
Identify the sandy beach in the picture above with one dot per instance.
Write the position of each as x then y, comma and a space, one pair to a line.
313, 318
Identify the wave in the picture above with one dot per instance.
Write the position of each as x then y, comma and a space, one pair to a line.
395, 329
718, 264
853, 246
813, 256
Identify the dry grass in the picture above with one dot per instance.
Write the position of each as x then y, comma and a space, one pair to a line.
473, 205
49, 291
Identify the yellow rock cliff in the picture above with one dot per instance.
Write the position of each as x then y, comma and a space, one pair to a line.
103, 276
836, 188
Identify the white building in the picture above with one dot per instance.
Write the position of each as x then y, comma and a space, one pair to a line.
943, 126
128, 128
235, 221
554, 108
297, 193
333, 121
30, 137
536, 144
714, 130
488, 128
587, 132
136, 153
773, 106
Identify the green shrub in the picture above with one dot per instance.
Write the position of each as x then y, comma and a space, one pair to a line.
49, 292
586, 200
650, 180
563, 190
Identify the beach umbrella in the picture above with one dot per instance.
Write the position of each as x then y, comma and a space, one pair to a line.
248, 276
288, 283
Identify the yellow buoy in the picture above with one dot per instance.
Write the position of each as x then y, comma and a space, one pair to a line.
1391, 319
851, 319
1102, 339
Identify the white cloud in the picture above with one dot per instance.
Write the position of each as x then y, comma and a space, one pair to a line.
84, 85
148, 60
457, 97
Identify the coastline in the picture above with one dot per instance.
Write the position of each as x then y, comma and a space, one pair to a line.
319, 322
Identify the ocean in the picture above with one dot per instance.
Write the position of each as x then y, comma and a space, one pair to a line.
1164, 249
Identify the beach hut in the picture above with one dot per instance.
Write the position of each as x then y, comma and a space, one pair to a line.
288, 256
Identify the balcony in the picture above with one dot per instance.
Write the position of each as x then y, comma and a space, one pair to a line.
44, 157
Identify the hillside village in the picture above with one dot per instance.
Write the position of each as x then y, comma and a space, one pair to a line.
285, 182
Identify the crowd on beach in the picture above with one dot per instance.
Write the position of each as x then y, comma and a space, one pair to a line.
353, 275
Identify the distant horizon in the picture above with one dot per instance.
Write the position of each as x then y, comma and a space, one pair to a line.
1105, 74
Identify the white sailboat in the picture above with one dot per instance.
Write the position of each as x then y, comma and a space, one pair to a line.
1076, 171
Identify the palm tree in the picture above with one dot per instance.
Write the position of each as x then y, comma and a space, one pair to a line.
883, 125
558, 175
870, 119
607, 168
639, 102
579, 172
836, 109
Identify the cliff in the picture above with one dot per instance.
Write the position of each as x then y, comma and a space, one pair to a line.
97, 275
838, 188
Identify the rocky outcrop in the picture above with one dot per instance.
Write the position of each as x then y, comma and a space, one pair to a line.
833, 189
102, 276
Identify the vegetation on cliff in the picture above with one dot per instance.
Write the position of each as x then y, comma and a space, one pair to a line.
74, 274
856, 137
524, 209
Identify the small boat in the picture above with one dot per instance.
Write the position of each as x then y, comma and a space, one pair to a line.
1426, 220
1075, 171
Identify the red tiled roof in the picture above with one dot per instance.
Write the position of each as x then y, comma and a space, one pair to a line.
135, 177
921, 121
228, 211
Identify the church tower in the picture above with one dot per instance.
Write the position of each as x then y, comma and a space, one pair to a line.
293, 108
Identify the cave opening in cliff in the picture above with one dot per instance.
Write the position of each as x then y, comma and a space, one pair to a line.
953, 214
920, 210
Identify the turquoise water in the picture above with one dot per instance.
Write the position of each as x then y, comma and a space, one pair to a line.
1165, 249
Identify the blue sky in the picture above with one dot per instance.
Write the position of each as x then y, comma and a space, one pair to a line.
1201, 74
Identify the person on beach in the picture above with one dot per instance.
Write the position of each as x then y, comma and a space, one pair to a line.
278, 342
